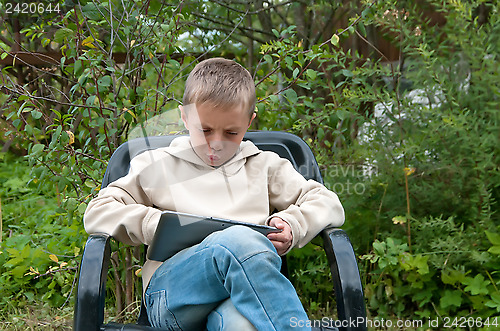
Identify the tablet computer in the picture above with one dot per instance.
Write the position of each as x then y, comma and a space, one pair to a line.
177, 231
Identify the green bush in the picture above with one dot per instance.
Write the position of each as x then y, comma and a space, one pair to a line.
419, 180
41, 244
443, 276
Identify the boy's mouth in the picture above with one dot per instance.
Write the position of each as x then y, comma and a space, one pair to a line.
213, 158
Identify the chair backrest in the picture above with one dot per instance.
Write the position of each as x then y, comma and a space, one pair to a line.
286, 145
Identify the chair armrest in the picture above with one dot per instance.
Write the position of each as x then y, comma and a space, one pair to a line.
347, 283
91, 292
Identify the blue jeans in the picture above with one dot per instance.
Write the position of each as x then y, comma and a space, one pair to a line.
227, 318
237, 263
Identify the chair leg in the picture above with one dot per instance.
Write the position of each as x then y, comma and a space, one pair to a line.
89, 304
347, 283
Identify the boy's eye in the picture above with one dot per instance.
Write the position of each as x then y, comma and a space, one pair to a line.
232, 133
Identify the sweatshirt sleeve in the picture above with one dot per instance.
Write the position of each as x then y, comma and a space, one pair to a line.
123, 209
306, 205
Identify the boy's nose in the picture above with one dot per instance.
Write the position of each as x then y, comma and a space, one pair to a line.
216, 140
216, 144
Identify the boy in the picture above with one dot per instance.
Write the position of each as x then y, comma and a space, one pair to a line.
231, 280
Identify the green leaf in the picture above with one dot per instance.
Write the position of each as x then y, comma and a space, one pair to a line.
342, 114
366, 12
45, 42
335, 40
92, 11
476, 285
361, 28
494, 250
90, 100
291, 96
395, 219
311, 74
104, 81
494, 302
494, 238
71, 204
62, 34
347, 73
174, 64
451, 277
36, 114
274, 98
420, 262
37, 148
77, 68
379, 247
451, 298
320, 134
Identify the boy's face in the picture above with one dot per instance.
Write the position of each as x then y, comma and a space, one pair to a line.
215, 133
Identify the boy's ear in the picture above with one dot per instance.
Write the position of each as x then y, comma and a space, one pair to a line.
251, 119
183, 116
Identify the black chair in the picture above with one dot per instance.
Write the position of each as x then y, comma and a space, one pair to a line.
89, 305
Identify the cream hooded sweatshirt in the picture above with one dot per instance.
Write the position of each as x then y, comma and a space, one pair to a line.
249, 187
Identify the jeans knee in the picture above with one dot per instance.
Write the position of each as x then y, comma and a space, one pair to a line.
244, 242
226, 318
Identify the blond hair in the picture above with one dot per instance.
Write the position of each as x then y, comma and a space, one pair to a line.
220, 82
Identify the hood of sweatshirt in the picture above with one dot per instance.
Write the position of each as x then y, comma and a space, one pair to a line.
181, 148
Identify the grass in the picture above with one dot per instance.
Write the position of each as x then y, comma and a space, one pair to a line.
39, 317
26, 222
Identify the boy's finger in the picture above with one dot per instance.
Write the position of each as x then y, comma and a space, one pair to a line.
279, 236
280, 240
279, 224
281, 247
276, 237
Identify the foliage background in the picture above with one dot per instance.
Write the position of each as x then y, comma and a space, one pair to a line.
398, 99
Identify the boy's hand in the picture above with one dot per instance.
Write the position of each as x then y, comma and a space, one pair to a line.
282, 240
